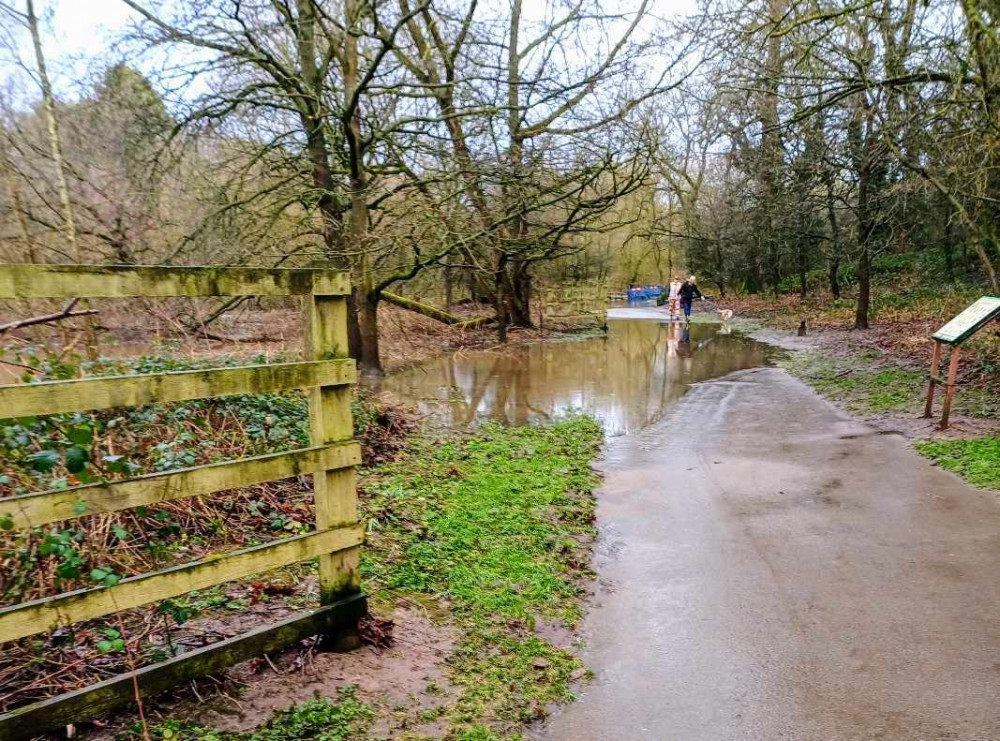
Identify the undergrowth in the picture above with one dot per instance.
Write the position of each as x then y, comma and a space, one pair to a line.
66, 450
319, 719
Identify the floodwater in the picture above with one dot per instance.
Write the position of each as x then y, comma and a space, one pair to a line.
627, 378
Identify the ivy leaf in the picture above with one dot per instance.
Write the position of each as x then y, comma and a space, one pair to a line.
79, 508
7, 522
81, 435
105, 576
76, 459
119, 532
43, 461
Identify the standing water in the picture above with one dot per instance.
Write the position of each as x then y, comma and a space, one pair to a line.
627, 378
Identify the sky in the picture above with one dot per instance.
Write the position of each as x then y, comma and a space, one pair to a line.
74, 31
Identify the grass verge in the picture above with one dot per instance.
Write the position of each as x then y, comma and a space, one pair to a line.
866, 383
490, 533
976, 460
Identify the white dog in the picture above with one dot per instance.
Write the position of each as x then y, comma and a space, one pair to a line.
725, 314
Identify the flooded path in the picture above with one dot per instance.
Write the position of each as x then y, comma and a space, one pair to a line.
627, 379
767, 567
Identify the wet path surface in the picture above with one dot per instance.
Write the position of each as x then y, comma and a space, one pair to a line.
769, 569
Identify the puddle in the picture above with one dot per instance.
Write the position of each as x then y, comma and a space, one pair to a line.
627, 378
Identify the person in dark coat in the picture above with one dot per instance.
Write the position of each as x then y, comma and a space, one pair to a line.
689, 291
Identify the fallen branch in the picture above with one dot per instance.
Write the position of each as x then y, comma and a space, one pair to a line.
435, 313
480, 321
66, 313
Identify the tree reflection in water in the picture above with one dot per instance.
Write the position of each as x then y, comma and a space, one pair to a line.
626, 378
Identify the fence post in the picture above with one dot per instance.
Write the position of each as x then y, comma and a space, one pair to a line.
330, 421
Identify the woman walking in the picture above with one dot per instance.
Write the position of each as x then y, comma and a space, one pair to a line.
687, 294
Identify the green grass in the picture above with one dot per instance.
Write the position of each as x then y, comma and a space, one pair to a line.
498, 527
872, 382
976, 460
316, 720
491, 533
863, 383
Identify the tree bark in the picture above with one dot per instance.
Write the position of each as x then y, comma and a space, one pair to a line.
520, 296
311, 115
366, 295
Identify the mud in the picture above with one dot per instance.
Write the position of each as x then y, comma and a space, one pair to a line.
770, 569
407, 678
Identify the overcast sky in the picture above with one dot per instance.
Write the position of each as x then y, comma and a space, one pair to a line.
74, 31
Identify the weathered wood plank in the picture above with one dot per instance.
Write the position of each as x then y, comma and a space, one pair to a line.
28, 618
55, 397
122, 281
90, 702
32, 510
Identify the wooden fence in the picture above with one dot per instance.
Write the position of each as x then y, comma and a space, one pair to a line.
327, 374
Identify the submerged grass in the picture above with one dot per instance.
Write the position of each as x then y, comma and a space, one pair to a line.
491, 533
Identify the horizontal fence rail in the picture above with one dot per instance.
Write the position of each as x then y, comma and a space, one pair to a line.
41, 508
26, 722
109, 392
28, 618
124, 281
326, 375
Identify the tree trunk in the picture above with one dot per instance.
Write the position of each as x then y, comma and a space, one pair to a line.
312, 117
831, 215
864, 236
864, 288
500, 302
771, 143
803, 268
834, 276
367, 296
369, 362
55, 143
520, 296
448, 288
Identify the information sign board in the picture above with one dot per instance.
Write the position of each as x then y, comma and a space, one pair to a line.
969, 321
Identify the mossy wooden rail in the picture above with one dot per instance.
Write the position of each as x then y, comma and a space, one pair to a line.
327, 374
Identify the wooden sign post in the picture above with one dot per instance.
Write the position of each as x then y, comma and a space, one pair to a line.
954, 333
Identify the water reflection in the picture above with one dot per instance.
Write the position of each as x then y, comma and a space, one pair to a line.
626, 379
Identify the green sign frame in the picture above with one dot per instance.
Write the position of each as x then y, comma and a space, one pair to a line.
970, 321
